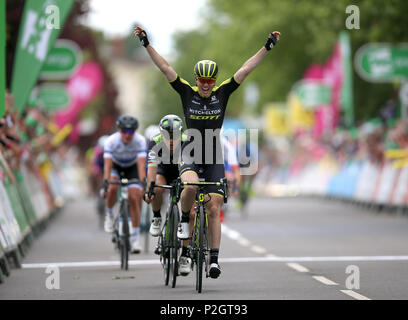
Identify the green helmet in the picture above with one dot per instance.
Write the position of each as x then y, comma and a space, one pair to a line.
170, 125
206, 69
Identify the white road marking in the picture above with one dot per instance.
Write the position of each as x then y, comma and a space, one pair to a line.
355, 295
297, 267
87, 264
232, 234
325, 280
339, 258
272, 258
258, 249
244, 242
224, 260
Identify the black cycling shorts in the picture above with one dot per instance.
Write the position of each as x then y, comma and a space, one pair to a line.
206, 173
169, 171
126, 172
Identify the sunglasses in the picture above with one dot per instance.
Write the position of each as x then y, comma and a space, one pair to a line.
128, 131
210, 81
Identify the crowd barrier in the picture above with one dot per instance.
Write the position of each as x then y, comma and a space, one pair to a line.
383, 186
29, 201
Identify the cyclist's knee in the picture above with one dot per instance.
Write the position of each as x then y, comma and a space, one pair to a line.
158, 192
132, 196
112, 190
190, 191
135, 194
214, 207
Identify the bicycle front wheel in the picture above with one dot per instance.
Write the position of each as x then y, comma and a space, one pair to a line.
175, 245
165, 258
200, 255
124, 238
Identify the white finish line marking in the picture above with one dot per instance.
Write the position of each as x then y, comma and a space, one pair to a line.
87, 264
297, 267
224, 260
355, 295
325, 280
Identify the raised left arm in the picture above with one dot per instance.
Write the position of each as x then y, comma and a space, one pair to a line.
256, 59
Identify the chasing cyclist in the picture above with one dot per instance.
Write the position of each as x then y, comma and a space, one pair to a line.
163, 169
204, 108
125, 157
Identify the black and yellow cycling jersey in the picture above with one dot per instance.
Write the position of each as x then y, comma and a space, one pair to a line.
204, 113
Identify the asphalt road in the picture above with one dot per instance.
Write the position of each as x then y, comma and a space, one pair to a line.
287, 248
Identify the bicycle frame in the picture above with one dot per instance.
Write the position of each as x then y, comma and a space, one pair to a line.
168, 244
122, 232
199, 244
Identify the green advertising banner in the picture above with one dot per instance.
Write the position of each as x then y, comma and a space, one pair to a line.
52, 97
382, 62
62, 61
312, 94
2, 57
41, 24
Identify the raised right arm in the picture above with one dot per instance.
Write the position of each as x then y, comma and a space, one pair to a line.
158, 60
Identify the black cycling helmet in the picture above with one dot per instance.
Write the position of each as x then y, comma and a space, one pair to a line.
206, 69
169, 125
127, 122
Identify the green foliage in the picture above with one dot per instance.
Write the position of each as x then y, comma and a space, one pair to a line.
234, 30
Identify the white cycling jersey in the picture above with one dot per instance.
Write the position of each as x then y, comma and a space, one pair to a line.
124, 155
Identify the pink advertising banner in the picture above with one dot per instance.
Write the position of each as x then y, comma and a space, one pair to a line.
83, 86
331, 74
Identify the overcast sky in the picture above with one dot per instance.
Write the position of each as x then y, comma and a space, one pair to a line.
160, 18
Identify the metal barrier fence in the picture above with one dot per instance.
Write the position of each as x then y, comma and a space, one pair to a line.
28, 200
380, 185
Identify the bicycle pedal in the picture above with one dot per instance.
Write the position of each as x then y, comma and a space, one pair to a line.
157, 250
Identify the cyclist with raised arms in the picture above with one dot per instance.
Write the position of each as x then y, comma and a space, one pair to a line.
125, 157
204, 108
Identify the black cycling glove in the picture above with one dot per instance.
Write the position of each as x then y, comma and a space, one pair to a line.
143, 39
271, 42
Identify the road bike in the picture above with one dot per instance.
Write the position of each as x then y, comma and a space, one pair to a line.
121, 233
199, 243
168, 244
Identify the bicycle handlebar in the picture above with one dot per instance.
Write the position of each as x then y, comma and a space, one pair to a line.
224, 184
175, 188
